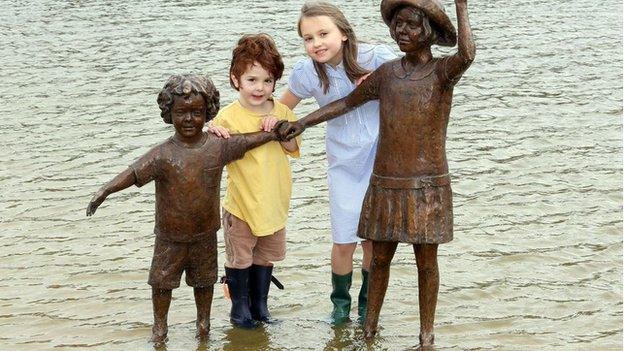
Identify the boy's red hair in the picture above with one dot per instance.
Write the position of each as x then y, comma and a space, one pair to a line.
256, 48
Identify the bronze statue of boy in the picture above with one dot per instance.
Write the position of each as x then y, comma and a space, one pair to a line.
409, 198
187, 171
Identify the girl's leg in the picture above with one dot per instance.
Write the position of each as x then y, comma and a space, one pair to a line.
342, 273
367, 248
342, 258
379, 274
428, 285
161, 299
203, 302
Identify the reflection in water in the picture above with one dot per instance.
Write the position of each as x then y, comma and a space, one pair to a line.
238, 339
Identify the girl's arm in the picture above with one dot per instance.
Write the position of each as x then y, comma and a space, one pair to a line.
122, 181
466, 50
289, 99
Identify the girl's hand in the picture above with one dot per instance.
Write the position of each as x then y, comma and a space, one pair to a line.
268, 123
219, 131
362, 78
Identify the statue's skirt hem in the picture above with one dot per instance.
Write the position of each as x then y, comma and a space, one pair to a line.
414, 215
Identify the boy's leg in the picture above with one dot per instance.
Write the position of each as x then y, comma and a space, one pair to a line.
203, 301
164, 276
428, 285
201, 274
161, 299
239, 243
378, 284
268, 249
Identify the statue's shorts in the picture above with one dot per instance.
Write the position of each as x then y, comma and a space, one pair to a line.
408, 210
242, 248
197, 259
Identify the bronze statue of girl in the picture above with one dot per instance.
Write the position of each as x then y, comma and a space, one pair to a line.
409, 199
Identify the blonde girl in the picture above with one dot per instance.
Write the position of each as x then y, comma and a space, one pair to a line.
337, 63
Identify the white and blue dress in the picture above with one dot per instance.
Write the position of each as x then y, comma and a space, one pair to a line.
350, 140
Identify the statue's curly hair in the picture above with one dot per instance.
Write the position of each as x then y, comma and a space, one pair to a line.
184, 85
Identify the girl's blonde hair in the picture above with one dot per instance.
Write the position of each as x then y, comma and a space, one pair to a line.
349, 47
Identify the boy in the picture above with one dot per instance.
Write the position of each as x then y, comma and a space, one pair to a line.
187, 171
255, 208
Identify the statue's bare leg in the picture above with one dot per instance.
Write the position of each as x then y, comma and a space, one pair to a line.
378, 283
203, 302
428, 285
161, 299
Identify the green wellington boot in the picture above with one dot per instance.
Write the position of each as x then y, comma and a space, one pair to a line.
363, 298
340, 298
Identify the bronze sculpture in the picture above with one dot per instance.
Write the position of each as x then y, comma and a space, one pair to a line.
187, 171
409, 198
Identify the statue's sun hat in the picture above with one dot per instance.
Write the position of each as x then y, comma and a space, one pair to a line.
434, 9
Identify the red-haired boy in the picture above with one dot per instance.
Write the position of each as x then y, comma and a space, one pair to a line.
256, 203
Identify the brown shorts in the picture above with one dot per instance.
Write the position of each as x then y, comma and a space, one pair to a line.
242, 248
198, 259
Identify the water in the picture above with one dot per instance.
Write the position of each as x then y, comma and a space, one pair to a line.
534, 145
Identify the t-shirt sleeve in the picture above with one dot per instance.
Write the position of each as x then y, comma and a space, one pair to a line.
222, 121
146, 167
300, 80
383, 54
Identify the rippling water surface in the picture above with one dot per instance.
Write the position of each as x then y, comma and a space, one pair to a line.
534, 145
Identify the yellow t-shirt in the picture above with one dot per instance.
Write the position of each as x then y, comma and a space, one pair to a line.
258, 185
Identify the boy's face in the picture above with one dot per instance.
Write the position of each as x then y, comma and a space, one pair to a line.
255, 86
188, 115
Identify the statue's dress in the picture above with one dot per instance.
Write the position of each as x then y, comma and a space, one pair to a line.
409, 198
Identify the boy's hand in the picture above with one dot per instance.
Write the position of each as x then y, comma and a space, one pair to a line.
95, 202
268, 123
219, 131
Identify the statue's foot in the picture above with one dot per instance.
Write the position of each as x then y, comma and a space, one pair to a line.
203, 330
426, 341
369, 333
159, 334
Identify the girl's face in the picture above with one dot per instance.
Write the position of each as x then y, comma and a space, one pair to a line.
322, 39
407, 29
255, 87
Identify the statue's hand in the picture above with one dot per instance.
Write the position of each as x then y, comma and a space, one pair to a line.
95, 202
288, 130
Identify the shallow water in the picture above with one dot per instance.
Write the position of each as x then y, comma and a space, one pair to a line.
534, 145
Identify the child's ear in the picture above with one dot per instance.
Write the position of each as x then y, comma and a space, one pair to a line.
233, 77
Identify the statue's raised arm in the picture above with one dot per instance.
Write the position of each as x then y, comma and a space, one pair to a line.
458, 63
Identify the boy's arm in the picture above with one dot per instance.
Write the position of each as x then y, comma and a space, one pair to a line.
122, 181
458, 63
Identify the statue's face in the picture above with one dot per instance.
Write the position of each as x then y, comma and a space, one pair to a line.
188, 115
407, 29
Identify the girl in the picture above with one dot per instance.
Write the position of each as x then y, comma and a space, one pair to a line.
336, 64
257, 198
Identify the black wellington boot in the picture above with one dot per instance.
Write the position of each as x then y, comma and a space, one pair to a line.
259, 284
238, 285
